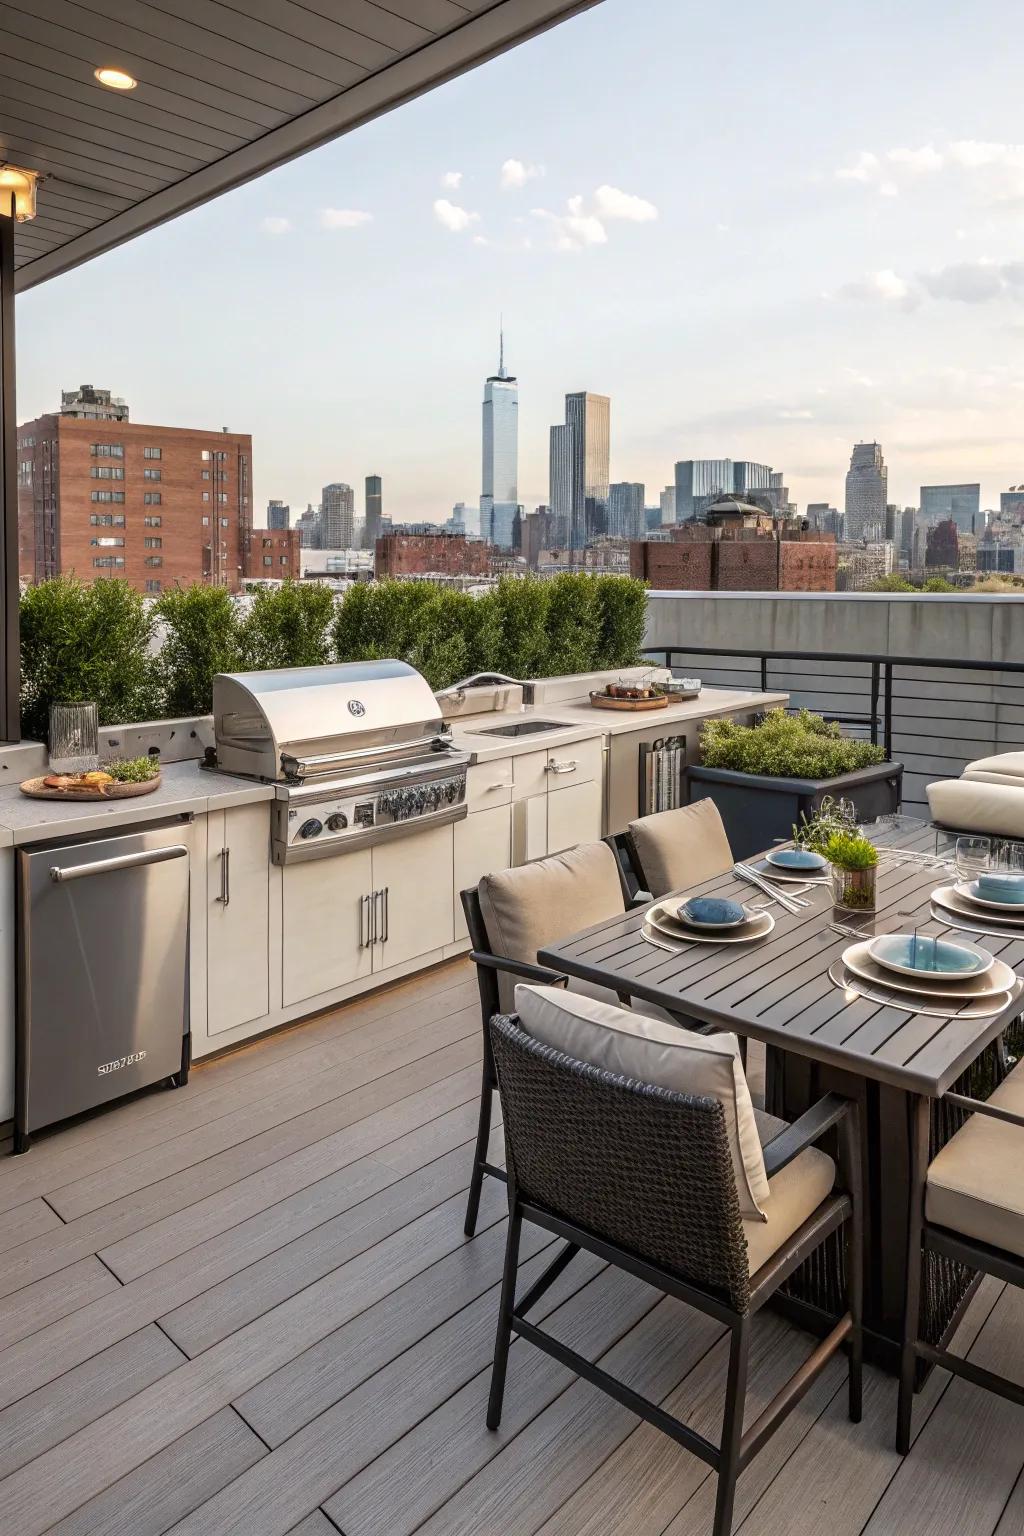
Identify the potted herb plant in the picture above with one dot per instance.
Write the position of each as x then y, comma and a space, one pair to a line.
766, 778
854, 864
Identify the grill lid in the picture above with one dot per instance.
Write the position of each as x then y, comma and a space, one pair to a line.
295, 721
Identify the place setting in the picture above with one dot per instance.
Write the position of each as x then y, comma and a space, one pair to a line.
674, 925
926, 974
988, 895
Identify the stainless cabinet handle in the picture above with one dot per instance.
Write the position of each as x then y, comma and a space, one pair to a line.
365, 926
62, 873
373, 923
384, 914
225, 876
556, 767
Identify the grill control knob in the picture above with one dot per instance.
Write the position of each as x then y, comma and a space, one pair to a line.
337, 821
311, 828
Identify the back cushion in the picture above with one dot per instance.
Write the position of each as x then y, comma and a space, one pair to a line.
655, 1051
524, 909
682, 847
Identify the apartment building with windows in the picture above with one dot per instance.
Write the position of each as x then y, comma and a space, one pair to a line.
156, 505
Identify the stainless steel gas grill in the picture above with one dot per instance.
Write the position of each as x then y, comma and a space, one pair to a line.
357, 753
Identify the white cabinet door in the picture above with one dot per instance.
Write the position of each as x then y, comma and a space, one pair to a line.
324, 925
416, 872
575, 764
574, 816
238, 917
529, 829
483, 846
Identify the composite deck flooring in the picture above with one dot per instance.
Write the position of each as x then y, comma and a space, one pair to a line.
247, 1308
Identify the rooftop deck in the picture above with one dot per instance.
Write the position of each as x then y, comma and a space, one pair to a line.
248, 1307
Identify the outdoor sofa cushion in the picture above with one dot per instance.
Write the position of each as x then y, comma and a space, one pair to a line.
976, 1182
1004, 767
654, 1051
988, 805
682, 847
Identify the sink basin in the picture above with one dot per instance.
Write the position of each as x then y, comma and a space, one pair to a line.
521, 728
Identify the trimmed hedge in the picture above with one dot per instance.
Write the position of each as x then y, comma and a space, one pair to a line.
145, 662
800, 746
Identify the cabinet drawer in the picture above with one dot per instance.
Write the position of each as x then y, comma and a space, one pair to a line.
529, 775
489, 784
579, 763
574, 816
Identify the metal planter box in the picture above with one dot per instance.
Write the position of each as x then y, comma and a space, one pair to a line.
758, 810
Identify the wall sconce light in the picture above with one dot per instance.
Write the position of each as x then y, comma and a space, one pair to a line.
23, 184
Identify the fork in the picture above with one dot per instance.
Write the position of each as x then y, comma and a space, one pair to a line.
791, 904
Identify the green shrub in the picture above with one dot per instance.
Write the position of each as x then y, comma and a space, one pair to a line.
87, 642
380, 620
801, 746
287, 626
851, 851
622, 618
447, 643
202, 638
514, 626
573, 620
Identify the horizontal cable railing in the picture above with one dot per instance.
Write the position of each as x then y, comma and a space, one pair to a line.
934, 717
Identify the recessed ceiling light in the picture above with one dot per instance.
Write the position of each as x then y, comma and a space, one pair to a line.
115, 79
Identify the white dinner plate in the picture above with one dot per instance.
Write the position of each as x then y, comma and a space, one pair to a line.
1000, 978
946, 896
787, 876
890, 997
967, 889
661, 918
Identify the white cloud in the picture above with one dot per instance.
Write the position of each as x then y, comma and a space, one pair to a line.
611, 203
886, 287
864, 168
516, 173
343, 218
452, 180
976, 282
273, 224
480, 240
452, 217
997, 168
920, 161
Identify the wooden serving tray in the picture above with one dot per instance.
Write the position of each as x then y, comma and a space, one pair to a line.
602, 701
37, 790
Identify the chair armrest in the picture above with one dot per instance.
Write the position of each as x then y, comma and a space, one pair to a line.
803, 1133
641, 899
538, 973
983, 1107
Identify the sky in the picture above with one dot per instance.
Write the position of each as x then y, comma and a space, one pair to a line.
764, 231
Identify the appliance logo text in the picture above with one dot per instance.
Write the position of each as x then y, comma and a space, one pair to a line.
122, 1061
355, 707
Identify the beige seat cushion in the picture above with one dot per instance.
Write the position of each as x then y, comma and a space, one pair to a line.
997, 769
976, 1183
682, 847
537, 904
652, 1051
794, 1194
977, 805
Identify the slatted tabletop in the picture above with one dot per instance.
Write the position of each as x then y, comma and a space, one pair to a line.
778, 990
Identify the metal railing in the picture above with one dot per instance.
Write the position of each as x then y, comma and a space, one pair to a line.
934, 715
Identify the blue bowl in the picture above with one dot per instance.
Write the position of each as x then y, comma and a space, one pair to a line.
997, 887
712, 912
933, 957
796, 858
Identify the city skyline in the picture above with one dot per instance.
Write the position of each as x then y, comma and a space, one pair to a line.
884, 289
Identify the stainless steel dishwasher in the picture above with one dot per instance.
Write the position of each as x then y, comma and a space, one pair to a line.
102, 971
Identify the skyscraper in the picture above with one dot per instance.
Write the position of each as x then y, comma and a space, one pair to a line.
626, 510
698, 483
499, 497
962, 503
337, 516
278, 515
560, 483
867, 484
667, 501
374, 509
588, 420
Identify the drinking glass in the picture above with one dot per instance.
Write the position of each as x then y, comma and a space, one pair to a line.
74, 737
972, 856
1009, 857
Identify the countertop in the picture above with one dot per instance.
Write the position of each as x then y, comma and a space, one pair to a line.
581, 720
185, 788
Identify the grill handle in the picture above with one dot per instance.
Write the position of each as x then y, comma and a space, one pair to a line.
61, 873
298, 767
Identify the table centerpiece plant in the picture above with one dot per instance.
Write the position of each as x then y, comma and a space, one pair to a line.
853, 861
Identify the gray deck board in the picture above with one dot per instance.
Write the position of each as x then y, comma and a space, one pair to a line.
293, 1221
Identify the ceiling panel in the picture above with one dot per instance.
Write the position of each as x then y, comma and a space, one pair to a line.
227, 89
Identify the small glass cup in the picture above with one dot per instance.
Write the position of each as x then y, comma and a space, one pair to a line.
973, 856
853, 890
74, 737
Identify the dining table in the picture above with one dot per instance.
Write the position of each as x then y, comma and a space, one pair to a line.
895, 1060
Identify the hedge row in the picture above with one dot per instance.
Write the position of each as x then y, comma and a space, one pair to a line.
146, 661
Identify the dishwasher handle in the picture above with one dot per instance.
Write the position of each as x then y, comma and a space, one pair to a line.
61, 874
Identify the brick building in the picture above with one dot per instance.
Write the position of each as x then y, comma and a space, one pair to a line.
430, 554
740, 551
274, 554
156, 505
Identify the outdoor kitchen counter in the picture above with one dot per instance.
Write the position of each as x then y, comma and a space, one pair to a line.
186, 788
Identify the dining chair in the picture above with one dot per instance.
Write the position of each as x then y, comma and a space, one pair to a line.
510, 915
643, 1176
967, 1204
673, 849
